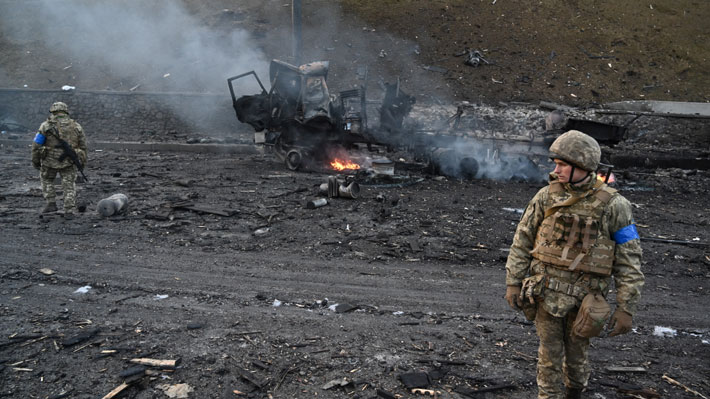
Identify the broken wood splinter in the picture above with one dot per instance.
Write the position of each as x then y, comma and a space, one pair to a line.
115, 391
156, 362
687, 389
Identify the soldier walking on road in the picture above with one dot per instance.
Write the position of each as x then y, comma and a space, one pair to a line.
58, 145
575, 236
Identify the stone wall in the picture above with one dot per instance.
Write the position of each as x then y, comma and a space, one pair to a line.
125, 115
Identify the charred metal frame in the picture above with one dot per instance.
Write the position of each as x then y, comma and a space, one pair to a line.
303, 123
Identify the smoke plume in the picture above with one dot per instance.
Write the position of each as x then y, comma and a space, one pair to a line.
156, 44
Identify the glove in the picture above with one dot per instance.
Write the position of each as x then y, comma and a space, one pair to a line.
620, 322
512, 295
82, 157
37, 165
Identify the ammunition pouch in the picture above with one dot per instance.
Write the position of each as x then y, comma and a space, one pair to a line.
592, 316
530, 310
530, 293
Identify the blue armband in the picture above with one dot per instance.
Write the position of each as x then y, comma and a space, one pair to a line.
626, 234
39, 138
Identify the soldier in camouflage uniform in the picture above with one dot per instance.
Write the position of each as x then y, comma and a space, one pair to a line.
49, 157
575, 236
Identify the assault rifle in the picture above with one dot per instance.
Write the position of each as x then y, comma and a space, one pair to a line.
68, 152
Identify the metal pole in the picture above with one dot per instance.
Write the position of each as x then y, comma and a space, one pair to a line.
296, 25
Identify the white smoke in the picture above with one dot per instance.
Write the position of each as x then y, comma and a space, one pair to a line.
157, 44
484, 142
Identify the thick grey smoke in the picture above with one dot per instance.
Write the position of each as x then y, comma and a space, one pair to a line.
151, 43
499, 162
158, 45
484, 142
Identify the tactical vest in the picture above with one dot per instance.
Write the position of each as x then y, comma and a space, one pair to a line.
67, 130
569, 236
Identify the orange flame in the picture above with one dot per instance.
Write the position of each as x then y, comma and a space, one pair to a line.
602, 177
339, 164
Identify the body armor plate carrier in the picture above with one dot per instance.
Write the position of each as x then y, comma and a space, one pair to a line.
569, 236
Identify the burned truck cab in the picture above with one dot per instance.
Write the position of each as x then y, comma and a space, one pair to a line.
303, 93
295, 115
299, 118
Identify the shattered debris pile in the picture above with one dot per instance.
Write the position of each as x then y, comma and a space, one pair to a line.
631, 134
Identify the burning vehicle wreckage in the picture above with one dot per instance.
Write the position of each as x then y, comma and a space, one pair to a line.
306, 126
310, 129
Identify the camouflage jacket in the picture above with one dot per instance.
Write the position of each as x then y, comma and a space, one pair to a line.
616, 224
46, 149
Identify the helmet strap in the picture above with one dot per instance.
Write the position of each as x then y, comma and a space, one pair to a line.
571, 173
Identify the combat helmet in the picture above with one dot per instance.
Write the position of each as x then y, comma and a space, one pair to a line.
577, 149
59, 107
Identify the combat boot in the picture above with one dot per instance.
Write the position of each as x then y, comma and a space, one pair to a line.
69, 213
49, 207
573, 393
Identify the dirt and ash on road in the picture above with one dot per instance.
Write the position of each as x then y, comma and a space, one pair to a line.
221, 270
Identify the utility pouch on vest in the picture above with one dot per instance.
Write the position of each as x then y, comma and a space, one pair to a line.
531, 289
530, 310
592, 316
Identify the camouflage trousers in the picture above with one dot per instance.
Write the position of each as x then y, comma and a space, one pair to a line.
561, 354
68, 175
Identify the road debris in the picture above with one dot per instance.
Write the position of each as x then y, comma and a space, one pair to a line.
83, 290
179, 391
626, 369
475, 58
113, 205
316, 203
116, 391
435, 68
81, 337
158, 363
686, 388
191, 206
633, 390
342, 382
339, 188
665, 332
415, 380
